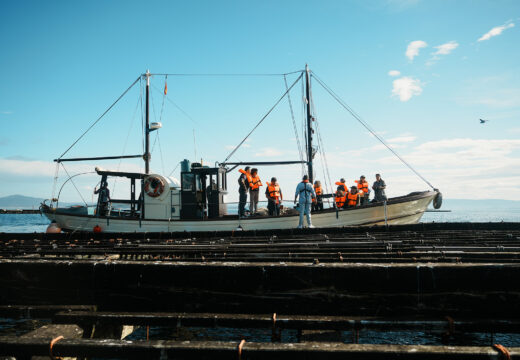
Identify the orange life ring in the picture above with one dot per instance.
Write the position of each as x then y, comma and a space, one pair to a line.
153, 186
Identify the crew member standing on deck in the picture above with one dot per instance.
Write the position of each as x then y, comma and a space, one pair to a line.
274, 197
364, 191
243, 187
379, 189
254, 190
317, 204
103, 198
306, 193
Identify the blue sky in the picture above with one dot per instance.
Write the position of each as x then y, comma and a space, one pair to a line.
420, 72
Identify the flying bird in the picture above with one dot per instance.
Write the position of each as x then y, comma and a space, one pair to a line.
482, 121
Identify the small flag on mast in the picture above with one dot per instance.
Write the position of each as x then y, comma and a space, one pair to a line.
166, 85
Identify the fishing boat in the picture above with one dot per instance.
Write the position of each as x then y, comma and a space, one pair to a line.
196, 202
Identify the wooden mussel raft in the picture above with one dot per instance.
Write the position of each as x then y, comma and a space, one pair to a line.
267, 294
196, 203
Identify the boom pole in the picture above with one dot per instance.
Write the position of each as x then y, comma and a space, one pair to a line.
309, 124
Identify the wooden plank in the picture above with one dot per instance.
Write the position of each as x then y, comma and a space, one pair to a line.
12, 346
380, 323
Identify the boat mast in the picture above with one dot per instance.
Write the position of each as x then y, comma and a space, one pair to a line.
309, 124
146, 155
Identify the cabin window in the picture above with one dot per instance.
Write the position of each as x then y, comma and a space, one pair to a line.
187, 182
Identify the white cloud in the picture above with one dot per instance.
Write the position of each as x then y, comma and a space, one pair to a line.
6, 112
269, 152
406, 87
413, 48
394, 73
497, 30
446, 48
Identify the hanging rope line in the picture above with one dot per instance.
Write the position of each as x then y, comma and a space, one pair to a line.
177, 106
99, 118
300, 151
175, 168
367, 126
72, 181
264, 117
321, 149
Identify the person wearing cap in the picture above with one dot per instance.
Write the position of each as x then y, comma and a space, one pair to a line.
364, 191
379, 189
306, 193
103, 198
244, 182
274, 197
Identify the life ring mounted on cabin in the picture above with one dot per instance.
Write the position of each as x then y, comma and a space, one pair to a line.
153, 186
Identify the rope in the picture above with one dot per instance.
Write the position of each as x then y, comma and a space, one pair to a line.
294, 125
263, 118
228, 74
175, 168
51, 345
70, 177
99, 118
55, 185
321, 149
366, 126
239, 349
503, 351
126, 140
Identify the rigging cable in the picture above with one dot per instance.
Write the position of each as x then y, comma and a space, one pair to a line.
99, 118
321, 149
300, 152
224, 74
365, 124
126, 140
55, 181
304, 120
72, 181
264, 117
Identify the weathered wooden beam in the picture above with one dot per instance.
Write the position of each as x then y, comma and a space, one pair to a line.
507, 325
291, 288
12, 346
39, 311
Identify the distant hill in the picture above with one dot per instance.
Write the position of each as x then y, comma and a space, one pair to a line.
19, 202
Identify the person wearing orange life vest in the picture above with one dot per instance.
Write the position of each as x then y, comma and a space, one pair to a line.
353, 197
243, 187
364, 191
343, 184
254, 190
274, 197
317, 203
340, 197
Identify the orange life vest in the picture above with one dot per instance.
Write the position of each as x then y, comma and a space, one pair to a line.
362, 186
274, 191
340, 199
318, 191
248, 175
353, 199
342, 184
255, 182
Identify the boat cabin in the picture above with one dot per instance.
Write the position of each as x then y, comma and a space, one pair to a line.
199, 195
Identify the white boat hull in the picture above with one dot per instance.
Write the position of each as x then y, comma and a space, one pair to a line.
406, 210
